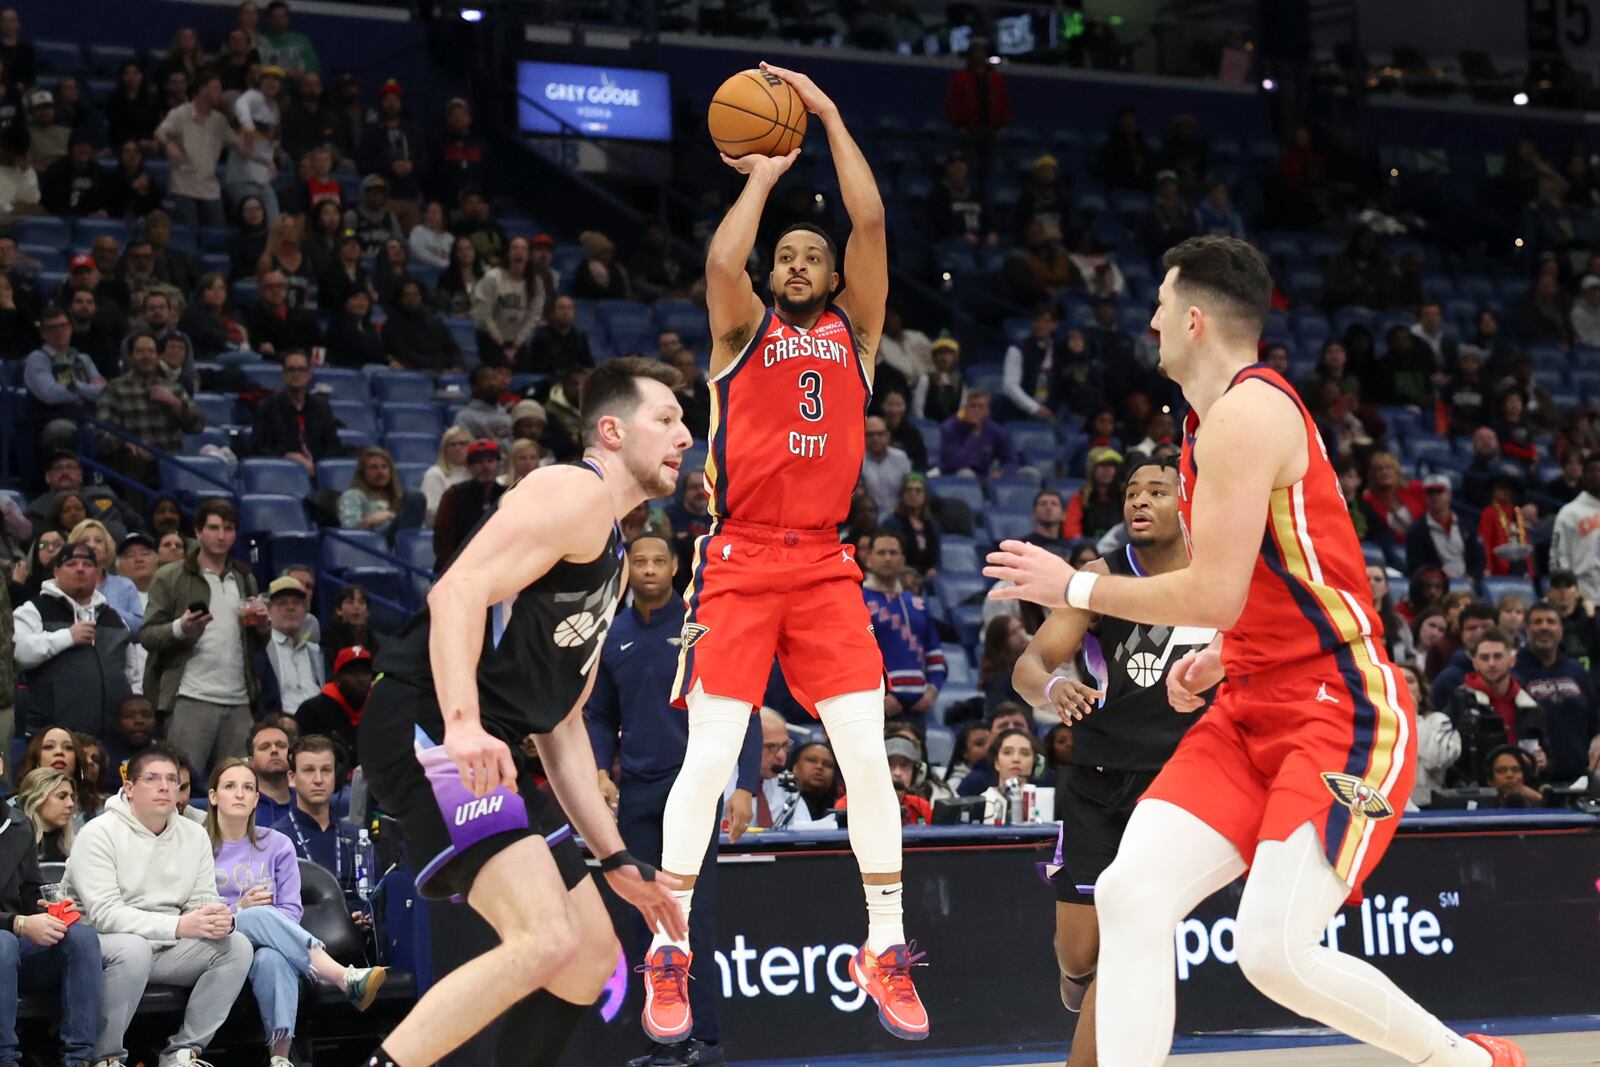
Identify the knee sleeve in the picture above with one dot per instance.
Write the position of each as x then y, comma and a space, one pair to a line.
854, 722
717, 727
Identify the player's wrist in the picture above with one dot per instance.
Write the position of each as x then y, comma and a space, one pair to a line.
1079, 589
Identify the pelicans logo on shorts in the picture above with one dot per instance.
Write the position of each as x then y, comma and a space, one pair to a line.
1362, 800
692, 633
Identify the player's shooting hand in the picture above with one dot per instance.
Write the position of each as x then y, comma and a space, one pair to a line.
484, 762
768, 168
608, 789
815, 100
1073, 700
1191, 676
741, 813
653, 899
1036, 575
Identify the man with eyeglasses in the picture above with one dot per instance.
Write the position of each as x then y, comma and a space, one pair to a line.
62, 382
276, 327
775, 747
884, 467
629, 715
295, 423
144, 877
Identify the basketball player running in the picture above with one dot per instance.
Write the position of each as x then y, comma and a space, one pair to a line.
1123, 731
506, 649
790, 385
1298, 772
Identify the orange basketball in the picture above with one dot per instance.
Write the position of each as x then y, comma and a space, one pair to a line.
756, 113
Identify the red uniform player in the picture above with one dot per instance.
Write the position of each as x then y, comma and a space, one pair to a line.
790, 384
1299, 770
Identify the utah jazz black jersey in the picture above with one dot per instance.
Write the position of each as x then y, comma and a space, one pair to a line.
538, 646
1133, 728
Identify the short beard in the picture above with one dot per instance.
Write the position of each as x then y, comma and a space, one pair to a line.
800, 309
650, 478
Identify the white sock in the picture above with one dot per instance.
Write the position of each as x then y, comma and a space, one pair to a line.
1451, 1050
885, 911
685, 898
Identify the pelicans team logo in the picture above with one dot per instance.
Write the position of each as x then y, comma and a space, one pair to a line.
1362, 800
693, 632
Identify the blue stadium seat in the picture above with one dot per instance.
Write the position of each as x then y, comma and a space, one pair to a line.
958, 667
949, 697
957, 589
1032, 436
347, 549
88, 231
61, 57
272, 512
268, 376
986, 376
355, 439
105, 59
403, 387
412, 447
278, 476
1429, 449
201, 475
955, 487
346, 383
1495, 588
412, 418
42, 230
335, 474
958, 558
410, 474
626, 315
941, 746
287, 549
49, 257
1006, 523
355, 414
680, 315
218, 409
968, 622
1013, 497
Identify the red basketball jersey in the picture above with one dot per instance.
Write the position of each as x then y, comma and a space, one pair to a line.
1308, 593
788, 426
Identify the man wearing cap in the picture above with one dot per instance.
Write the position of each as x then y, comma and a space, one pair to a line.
464, 503
938, 396
63, 474
253, 164
1585, 313
391, 149
193, 136
74, 184
375, 217
460, 159
63, 383
346, 273
72, 648
1044, 199
1441, 539
282, 47
483, 417
47, 138
335, 711
290, 668
1170, 220
137, 562
472, 221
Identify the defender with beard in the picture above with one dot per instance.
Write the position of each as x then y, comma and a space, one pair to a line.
1123, 726
790, 385
507, 649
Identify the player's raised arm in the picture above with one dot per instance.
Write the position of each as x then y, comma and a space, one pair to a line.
731, 302
1254, 440
560, 510
866, 254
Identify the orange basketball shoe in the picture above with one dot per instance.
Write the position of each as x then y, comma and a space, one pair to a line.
1506, 1053
666, 994
887, 979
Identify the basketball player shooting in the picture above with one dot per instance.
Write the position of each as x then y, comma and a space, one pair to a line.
790, 385
1123, 726
508, 647
1301, 767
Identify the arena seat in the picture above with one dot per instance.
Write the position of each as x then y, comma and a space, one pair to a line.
282, 476
272, 513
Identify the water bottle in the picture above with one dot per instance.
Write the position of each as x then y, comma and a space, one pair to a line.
364, 865
1013, 794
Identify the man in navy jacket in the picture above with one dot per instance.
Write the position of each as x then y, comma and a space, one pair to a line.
630, 714
1565, 691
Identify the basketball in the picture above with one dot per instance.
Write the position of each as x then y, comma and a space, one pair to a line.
756, 113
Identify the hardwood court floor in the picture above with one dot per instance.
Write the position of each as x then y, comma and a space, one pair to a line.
1543, 1050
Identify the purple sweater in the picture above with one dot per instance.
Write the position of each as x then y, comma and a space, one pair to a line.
965, 447
270, 861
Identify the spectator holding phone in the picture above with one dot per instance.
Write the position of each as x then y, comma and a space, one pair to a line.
202, 627
258, 876
41, 949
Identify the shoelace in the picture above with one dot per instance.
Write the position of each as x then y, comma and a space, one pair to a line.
897, 974
671, 985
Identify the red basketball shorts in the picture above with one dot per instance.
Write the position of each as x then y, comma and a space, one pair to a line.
1330, 741
762, 591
